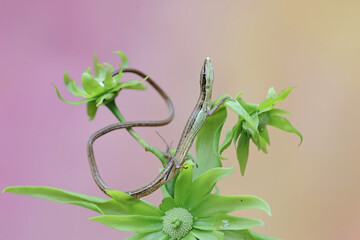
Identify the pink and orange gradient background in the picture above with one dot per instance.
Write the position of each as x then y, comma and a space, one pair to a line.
313, 189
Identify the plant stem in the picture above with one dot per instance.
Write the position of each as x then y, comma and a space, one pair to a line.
159, 154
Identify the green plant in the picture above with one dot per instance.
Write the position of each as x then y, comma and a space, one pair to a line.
189, 209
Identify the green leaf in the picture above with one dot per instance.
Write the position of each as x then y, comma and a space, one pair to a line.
99, 70
149, 236
239, 110
260, 142
276, 111
134, 206
206, 156
216, 138
264, 110
184, 180
207, 235
249, 107
165, 192
136, 87
100, 205
91, 86
230, 134
265, 135
131, 84
167, 204
245, 235
237, 235
91, 109
118, 76
104, 98
271, 93
171, 185
227, 141
215, 204
124, 60
204, 184
283, 124
109, 81
73, 88
237, 132
131, 223
72, 102
246, 126
189, 237
109, 66
257, 236
271, 101
226, 222
242, 151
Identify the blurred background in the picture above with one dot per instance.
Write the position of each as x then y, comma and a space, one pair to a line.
313, 190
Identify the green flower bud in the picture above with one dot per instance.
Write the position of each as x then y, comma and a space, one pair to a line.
177, 223
264, 120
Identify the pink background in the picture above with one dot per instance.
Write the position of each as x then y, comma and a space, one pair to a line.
313, 190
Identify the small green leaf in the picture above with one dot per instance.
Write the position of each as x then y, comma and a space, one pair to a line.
118, 76
271, 93
242, 151
167, 204
284, 124
91, 86
136, 87
260, 143
133, 205
73, 88
71, 102
91, 109
215, 204
96, 65
124, 60
207, 235
257, 236
149, 236
230, 134
109, 81
237, 132
184, 180
264, 110
99, 70
204, 184
131, 223
206, 156
100, 205
254, 132
239, 110
276, 111
109, 66
105, 98
131, 84
226, 222
165, 192
189, 237
265, 135
227, 141
270, 102
237, 235
216, 138
249, 107
245, 235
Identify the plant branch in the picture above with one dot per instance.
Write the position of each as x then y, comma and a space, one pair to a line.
157, 152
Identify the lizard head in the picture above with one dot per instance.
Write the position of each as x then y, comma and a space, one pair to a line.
207, 76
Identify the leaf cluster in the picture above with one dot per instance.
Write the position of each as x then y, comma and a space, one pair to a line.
252, 122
